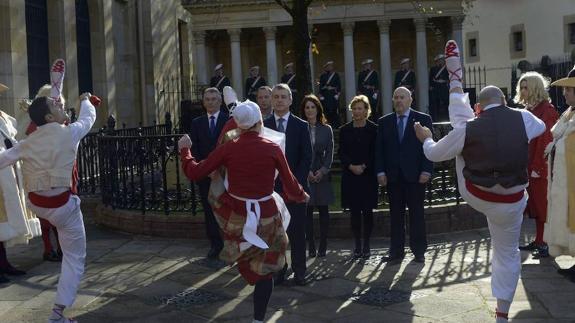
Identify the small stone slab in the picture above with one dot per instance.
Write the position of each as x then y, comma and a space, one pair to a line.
381, 296
190, 297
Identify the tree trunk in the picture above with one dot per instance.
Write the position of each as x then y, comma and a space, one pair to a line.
301, 47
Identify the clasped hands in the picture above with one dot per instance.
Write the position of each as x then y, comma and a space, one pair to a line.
315, 177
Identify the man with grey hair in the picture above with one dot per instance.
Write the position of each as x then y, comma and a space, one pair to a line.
491, 155
204, 133
298, 153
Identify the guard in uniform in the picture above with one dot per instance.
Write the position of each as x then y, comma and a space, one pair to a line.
438, 90
368, 85
219, 80
329, 91
253, 83
289, 79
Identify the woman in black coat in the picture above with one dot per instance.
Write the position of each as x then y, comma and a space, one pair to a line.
319, 180
358, 182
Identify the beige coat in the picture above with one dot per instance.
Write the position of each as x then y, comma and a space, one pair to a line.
17, 223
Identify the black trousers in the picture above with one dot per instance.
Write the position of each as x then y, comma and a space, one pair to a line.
296, 234
412, 195
212, 227
323, 227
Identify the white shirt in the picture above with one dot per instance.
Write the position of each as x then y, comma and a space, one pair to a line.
285, 117
216, 115
78, 130
451, 145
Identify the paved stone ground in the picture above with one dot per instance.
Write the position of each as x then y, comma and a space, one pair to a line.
142, 279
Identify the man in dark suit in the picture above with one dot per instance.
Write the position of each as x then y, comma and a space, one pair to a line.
404, 169
298, 154
204, 134
368, 84
329, 91
253, 83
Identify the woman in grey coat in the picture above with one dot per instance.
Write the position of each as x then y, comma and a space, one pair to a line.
321, 192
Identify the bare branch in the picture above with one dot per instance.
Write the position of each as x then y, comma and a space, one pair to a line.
283, 4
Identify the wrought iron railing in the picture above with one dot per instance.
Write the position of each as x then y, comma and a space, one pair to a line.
143, 173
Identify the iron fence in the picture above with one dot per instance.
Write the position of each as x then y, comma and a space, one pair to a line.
144, 173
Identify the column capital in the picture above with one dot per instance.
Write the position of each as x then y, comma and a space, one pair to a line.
420, 23
270, 32
347, 28
383, 25
199, 36
457, 22
234, 34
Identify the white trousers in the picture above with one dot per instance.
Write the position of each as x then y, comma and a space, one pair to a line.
504, 220
69, 222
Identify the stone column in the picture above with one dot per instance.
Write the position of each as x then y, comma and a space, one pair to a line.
201, 68
13, 59
422, 72
271, 55
349, 61
457, 33
385, 55
237, 83
62, 33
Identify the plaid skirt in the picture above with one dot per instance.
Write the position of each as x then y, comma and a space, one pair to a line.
254, 263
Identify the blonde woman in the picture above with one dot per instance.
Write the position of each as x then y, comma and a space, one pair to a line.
358, 182
532, 93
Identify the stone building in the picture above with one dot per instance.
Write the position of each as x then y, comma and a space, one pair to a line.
243, 33
121, 50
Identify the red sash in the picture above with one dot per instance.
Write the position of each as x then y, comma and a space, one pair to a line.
49, 202
493, 197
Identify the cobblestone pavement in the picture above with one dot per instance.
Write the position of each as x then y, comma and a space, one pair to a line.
142, 279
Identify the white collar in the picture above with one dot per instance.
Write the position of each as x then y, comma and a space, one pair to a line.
285, 116
406, 113
215, 114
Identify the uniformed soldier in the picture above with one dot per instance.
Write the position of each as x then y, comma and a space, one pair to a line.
368, 84
253, 83
219, 81
289, 79
405, 76
329, 91
438, 89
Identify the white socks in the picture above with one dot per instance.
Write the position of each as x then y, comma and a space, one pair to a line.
502, 307
453, 65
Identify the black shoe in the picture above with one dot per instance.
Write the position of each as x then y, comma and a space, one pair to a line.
419, 259
299, 281
541, 252
312, 253
393, 260
321, 253
11, 271
52, 256
3, 279
567, 271
356, 254
532, 246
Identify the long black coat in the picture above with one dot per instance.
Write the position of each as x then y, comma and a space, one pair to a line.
356, 147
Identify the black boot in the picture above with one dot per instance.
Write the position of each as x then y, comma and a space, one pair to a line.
357, 249
366, 253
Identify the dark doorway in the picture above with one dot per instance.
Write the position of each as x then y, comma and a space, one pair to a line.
83, 47
37, 42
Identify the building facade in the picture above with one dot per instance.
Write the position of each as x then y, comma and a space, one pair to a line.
120, 50
244, 33
501, 34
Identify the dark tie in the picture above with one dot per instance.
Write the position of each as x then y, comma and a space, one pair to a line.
212, 126
400, 127
281, 127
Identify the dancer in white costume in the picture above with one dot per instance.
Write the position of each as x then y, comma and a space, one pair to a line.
48, 156
560, 226
490, 153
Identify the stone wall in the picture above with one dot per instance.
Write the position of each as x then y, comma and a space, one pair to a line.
180, 225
